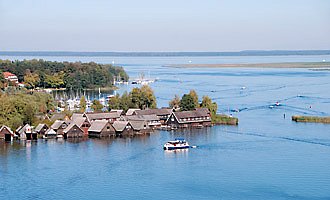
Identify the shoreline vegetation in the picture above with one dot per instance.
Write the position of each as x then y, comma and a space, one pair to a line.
56, 75
190, 101
313, 65
311, 119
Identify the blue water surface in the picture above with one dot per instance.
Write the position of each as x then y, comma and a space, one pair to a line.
267, 156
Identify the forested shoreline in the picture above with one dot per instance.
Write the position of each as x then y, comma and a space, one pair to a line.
72, 75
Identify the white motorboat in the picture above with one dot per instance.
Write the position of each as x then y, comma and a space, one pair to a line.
178, 143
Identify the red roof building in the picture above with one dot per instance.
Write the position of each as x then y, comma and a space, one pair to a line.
10, 77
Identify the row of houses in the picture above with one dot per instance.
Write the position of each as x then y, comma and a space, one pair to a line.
113, 123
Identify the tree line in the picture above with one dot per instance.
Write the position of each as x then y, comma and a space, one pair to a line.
72, 75
20, 107
141, 98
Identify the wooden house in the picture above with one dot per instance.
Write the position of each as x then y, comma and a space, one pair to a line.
25, 132
73, 131
152, 120
101, 128
187, 119
162, 113
6, 133
50, 134
110, 116
131, 111
123, 128
59, 125
41, 129
83, 123
140, 127
58, 116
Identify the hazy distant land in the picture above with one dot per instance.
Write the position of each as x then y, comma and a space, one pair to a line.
314, 65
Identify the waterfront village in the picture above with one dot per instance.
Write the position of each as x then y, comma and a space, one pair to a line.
109, 122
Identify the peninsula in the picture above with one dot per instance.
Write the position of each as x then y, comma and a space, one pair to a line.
313, 65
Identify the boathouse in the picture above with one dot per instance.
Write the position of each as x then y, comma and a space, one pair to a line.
131, 111
101, 128
41, 129
73, 131
163, 113
50, 134
59, 126
110, 116
140, 127
6, 133
25, 132
83, 123
123, 128
152, 120
187, 119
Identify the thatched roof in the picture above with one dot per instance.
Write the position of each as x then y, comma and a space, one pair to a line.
192, 114
57, 116
79, 121
152, 117
120, 125
57, 124
72, 125
158, 112
131, 111
137, 125
40, 127
98, 125
105, 115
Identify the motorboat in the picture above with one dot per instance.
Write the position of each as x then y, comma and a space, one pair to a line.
178, 143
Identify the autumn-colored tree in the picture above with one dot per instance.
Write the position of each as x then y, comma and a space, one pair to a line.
194, 95
175, 102
148, 98
97, 106
114, 102
82, 104
207, 103
31, 80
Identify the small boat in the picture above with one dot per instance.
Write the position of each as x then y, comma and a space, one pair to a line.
178, 143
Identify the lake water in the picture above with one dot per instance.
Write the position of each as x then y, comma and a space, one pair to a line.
266, 156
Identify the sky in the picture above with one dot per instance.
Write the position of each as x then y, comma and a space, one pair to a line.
167, 25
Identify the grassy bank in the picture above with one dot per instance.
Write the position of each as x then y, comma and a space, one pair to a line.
312, 119
258, 65
224, 120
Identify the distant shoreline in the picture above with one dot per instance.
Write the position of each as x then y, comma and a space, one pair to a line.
314, 65
170, 54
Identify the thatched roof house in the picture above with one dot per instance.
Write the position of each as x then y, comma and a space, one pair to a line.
101, 128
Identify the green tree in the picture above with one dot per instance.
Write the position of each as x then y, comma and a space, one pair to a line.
31, 80
126, 102
194, 95
82, 104
97, 106
207, 103
136, 97
187, 103
148, 98
29, 113
114, 102
2, 81
175, 102
55, 81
